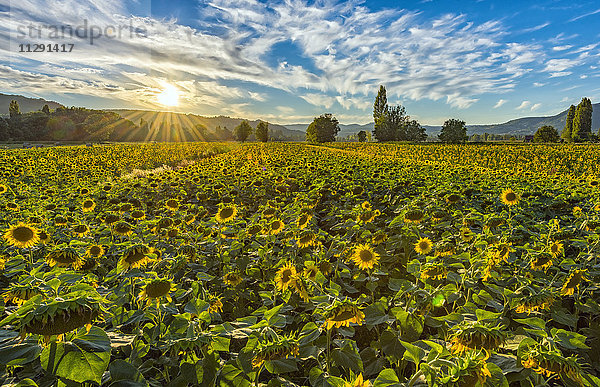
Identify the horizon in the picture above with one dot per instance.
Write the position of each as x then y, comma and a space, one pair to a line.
287, 62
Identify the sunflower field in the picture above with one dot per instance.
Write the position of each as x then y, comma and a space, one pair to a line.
347, 264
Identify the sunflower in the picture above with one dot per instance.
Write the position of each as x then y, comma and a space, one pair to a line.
22, 235
453, 198
436, 271
283, 278
365, 205
137, 256
19, 294
138, 214
13, 206
365, 257
577, 211
232, 279
556, 249
473, 336
3, 189
88, 205
157, 289
81, 230
306, 239
122, 229
414, 216
310, 270
423, 246
44, 237
341, 314
64, 258
551, 362
172, 204
542, 261
215, 305
466, 234
95, 251
325, 267
379, 237
226, 213
275, 227
254, 229
282, 347
509, 197
535, 302
303, 220
358, 382
297, 283
572, 283
269, 212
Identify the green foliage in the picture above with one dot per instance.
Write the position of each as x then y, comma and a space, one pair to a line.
242, 131
415, 132
582, 121
46, 109
546, 133
13, 109
568, 130
362, 136
380, 107
262, 131
323, 129
392, 123
453, 131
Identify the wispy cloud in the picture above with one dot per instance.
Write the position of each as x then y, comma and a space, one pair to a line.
536, 107
585, 15
500, 103
536, 28
524, 105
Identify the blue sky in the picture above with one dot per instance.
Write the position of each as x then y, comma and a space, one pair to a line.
287, 61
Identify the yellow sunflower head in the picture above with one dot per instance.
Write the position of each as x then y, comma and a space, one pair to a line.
509, 197
88, 205
64, 257
423, 246
95, 251
306, 239
275, 227
365, 257
172, 204
157, 289
572, 283
341, 314
122, 229
414, 216
22, 235
137, 256
284, 276
232, 279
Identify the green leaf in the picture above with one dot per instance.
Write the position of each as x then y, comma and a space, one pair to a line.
569, 340
411, 325
533, 322
387, 378
13, 352
309, 333
121, 370
375, 314
348, 357
413, 353
82, 357
497, 379
233, 376
390, 344
281, 366
485, 315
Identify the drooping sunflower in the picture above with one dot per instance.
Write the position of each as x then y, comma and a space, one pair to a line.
297, 283
215, 305
172, 204
365, 257
3, 189
535, 302
542, 261
435, 271
283, 278
137, 256
88, 205
474, 336
95, 251
282, 347
466, 234
81, 230
379, 237
341, 314
22, 235
414, 216
156, 289
44, 237
509, 197
573, 281
232, 279
226, 213
122, 228
325, 267
19, 293
306, 239
423, 246
453, 198
138, 214
551, 362
64, 257
275, 227
303, 220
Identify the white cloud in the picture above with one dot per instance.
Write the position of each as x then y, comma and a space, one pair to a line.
524, 105
319, 100
564, 99
560, 74
562, 48
538, 84
585, 15
536, 106
500, 103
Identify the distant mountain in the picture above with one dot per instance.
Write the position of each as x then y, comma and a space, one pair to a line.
167, 126
519, 126
26, 104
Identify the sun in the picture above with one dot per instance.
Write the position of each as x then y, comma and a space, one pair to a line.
169, 96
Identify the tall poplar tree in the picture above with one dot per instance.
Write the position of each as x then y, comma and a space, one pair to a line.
568, 130
582, 121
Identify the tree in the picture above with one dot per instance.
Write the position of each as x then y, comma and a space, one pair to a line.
546, 133
415, 132
453, 131
383, 130
242, 131
397, 120
582, 121
362, 136
568, 130
323, 129
380, 107
262, 131
13, 109
46, 109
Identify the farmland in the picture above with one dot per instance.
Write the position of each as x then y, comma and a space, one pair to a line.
292, 264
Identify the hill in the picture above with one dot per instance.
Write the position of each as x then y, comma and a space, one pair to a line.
26, 104
168, 126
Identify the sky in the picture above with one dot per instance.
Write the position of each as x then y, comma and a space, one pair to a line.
288, 61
